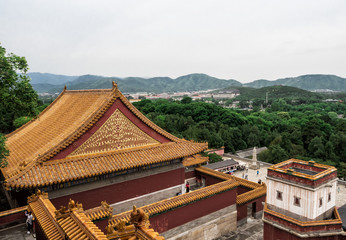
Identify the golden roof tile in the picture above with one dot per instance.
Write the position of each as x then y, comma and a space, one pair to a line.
75, 223
282, 167
97, 164
43, 211
65, 121
194, 160
332, 221
97, 213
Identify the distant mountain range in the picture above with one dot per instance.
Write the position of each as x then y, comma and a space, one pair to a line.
51, 83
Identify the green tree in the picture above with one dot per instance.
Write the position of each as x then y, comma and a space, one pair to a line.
213, 157
186, 100
3, 151
278, 154
316, 148
17, 97
21, 121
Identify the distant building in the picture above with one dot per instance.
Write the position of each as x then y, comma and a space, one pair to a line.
225, 166
301, 202
226, 94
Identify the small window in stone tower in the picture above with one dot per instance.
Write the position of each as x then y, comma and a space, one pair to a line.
321, 202
329, 197
278, 195
297, 201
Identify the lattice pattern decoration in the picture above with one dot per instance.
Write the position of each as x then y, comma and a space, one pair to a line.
118, 132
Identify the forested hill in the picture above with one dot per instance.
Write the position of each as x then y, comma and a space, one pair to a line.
276, 92
51, 83
48, 78
307, 82
191, 82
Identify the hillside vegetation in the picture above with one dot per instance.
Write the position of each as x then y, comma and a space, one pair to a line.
191, 82
308, 131
291, 95
307, 82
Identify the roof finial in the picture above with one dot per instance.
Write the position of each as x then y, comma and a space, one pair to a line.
115, 85
65, 88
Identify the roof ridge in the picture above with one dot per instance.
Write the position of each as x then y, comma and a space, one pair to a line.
177, 201
75, 135
89, 90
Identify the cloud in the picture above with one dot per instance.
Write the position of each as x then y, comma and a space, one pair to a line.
243, 40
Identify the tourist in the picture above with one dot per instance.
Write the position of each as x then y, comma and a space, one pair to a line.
29, 221
257, 172
259, 181
187, 187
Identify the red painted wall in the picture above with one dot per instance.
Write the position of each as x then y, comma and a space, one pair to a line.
7, 217
209, 180
242, 209
190, 174
182, 215
272, 233
123, 191
301, 180
102, 225
291, 225
242, 189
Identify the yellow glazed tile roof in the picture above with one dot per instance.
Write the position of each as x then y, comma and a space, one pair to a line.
59, 122
79, 226
103, 211
194, 160
43, 211
325, 169
178, 201
148, 234
75, 224
333, 221
71, 115
78, 167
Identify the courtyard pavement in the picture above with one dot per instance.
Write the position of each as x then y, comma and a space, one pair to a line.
252, 230
18, 232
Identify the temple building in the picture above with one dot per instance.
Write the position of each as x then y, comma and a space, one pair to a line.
301, 202
91, 157
94, 144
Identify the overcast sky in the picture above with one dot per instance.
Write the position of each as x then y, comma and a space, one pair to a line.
242, 40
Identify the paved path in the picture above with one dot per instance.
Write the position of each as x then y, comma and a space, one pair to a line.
18, 232
252, 230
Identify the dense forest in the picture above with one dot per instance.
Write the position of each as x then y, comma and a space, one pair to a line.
307, 131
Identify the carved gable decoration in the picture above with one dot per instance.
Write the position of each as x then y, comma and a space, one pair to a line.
118, 132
